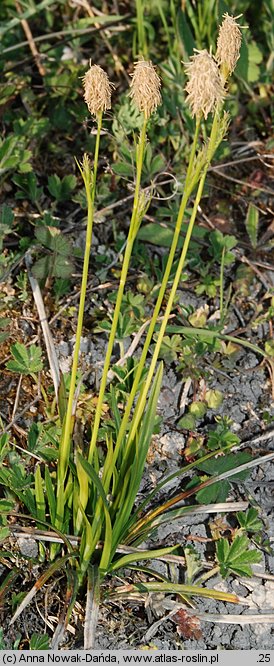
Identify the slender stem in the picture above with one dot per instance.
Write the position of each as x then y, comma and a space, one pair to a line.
142, 45
90, 185
142, 398
164, 22
134, 224
161, 294
222, 286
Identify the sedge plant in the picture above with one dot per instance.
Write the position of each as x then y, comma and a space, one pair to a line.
122, 469
98, 490
206, 93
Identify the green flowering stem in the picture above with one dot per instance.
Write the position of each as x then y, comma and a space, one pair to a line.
133, 229
89, 179
222, 270
139, 410
176, 235
142, 44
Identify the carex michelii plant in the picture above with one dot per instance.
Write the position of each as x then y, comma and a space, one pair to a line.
93, 493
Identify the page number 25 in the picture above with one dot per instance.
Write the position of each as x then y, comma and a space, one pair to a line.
263, 658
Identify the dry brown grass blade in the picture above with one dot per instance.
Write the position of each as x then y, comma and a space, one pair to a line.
58, 564
148, 518
236, 619
51, 352
69, 603
215, 618
92, 608
31, 41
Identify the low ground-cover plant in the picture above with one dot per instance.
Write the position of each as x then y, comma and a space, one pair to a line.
91, 494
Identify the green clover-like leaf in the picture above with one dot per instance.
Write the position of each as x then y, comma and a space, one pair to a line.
26, 360
249, 520
236, 558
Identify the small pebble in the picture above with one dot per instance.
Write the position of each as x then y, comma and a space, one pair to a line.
28, 547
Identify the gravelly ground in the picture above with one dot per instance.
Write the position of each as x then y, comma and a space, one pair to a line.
247, 394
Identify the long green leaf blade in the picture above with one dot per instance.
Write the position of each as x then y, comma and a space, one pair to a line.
133, 475
144, 555
93, 478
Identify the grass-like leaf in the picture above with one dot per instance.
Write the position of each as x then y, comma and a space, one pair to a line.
39, 495
93, 478
138, 557
134, 461
58, 564
175, 588
50, 495
252, 224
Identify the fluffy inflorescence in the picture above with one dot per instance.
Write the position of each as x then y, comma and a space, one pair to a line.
229, 43
145, 87
205, 87
97, 90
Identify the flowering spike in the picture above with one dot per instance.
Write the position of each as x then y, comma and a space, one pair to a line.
205, 87
97, 90
228, 44
145, 87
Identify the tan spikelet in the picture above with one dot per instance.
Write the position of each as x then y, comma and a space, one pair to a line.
228, 44
145, 87
205, 87
97, 90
